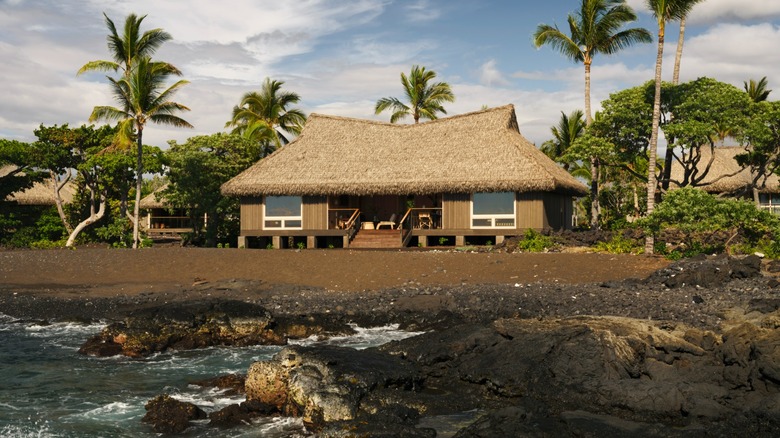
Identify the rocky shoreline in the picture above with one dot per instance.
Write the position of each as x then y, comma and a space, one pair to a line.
693, 350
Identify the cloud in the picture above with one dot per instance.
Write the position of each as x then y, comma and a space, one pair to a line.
490, 75
712, 11
422, 10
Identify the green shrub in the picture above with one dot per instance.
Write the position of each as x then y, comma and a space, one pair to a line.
620, 244
703, 223
534, 241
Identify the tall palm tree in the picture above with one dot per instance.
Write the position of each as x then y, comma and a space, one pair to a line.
264, 116
667, 171
568, 129
663, 11
125, 49
425, 97
757, 91
595, 28
143, 97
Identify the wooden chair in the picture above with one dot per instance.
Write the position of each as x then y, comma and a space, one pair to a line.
424, 220
389, 223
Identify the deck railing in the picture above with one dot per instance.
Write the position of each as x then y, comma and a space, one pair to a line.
421, 218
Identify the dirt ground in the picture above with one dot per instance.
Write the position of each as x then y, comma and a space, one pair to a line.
107, 272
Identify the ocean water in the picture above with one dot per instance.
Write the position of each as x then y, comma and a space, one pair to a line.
47, 389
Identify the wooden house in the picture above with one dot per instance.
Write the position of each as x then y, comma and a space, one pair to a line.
161, 219
360, 183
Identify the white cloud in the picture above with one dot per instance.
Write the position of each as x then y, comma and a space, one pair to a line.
711, 11
422, 10
490, 75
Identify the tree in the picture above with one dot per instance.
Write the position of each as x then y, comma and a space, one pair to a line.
757, 91
569, 128
663, 11
197, 170
127, 48
595, 28
265, 116
76, 154
425, 97
762, 139
142, 98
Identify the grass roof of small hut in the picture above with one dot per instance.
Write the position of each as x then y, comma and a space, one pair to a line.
41, 193
476, 152
725, 174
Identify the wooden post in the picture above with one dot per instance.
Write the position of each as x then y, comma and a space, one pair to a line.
276, 241
499, 240
460, 240
311, 242
242, 241
346, 241
423, 241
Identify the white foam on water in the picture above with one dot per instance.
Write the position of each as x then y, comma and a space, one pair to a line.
208, 399
110, 412
362, 338
64, 329
30, 430
277, 427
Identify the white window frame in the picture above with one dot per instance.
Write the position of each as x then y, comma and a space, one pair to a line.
283, 219
493, 217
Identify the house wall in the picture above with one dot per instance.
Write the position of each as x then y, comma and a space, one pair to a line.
530, 211
315, 213
456, 211
251, 213
557, 211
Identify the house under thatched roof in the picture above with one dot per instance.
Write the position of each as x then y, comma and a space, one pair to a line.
725, 174
155, 199
476, 152
41, 193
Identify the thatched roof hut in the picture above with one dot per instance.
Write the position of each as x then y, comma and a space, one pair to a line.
155, 199
476, 152
725, 174
41, 193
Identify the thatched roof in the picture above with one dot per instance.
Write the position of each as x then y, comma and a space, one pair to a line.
476, 152
41, 193
155, 199
725, 174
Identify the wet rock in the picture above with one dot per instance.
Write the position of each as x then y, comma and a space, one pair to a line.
707, 272
232, 383
325, 384
167, 415
230, 416
186, 326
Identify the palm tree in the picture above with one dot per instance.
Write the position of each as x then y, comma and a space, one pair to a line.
264, 116
757, 90
568, 129
128, 47
663, 11
425, 97
594, 29
667, 171
142, 97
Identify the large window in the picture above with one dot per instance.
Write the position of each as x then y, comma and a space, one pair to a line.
493, 210
283, 212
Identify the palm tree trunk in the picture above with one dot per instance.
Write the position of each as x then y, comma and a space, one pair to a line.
651, 178
138, 184
595, 209
675, 80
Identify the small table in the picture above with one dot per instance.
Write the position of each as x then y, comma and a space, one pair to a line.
367, 226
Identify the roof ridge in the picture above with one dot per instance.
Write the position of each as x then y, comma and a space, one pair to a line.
508, 106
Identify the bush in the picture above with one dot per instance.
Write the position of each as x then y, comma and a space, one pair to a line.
619, 244
534, 241
690, 221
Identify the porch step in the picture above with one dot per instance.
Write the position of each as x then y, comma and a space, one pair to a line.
377, 239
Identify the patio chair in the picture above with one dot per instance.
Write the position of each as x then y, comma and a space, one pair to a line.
424, 220
389, 223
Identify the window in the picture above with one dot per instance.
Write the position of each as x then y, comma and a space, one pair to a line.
493, 210
283, 212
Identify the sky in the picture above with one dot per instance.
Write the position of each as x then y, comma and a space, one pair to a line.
341, 56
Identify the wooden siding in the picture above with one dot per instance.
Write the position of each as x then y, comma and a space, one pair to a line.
251, 213
315, 213
530, 211
456, 211
557, 211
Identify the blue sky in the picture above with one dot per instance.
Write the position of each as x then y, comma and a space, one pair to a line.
343, 55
